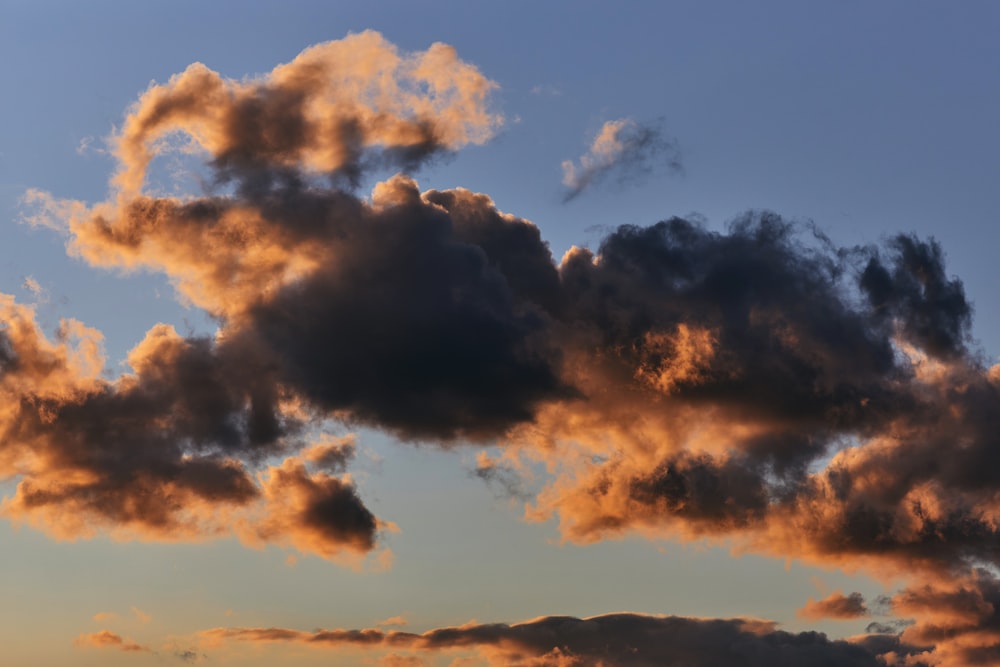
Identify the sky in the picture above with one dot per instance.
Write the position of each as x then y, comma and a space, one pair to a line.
545, 334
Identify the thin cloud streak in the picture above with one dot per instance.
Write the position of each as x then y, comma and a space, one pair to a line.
624, 151
624, 640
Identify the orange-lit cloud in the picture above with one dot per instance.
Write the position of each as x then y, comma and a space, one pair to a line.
396, 660
759, 387
312, 511
164, 452
624, 640
108, 639
622, 149
836, 605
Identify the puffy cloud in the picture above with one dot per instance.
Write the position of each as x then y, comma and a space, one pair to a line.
313, 512
327, 110
957, 620
623, 149
836, 605
759, 386
164, 452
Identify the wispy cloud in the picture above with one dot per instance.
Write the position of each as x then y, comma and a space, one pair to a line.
624, 151
546, 90
108, 639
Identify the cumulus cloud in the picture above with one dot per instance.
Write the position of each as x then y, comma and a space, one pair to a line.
161, 452
176, 448
759, 385
623, 150
335, 108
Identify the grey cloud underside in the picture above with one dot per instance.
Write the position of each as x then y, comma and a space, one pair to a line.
414, 329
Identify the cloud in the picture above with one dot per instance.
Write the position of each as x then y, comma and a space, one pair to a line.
395, 660
546, 90
313, 512
142, 616
108, 639
958, 620
623, 150
758, 386
337, 107
90, 458
624, 640
188, 655
836, 606
501, 476
33, 287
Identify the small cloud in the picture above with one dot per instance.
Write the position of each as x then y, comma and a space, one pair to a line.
108, 639
545, 90
39, 293
623, 150
188, 655
394, 621
141, 615
41, 209
893, 627
835, 606
501, 477
104, 616
87, 146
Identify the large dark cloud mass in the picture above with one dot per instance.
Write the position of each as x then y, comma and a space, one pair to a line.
759, 385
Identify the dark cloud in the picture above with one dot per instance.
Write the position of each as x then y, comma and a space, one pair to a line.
167, 451
414, 328
931, 310
958, 620
758, 384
